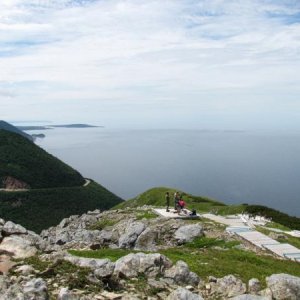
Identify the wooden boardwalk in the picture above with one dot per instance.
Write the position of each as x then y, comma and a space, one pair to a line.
264, 242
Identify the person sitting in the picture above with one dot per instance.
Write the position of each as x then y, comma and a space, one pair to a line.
181, 204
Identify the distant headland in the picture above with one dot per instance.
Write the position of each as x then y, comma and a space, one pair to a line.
46, 127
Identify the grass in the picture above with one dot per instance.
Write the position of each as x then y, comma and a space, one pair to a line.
112, 254
205, 260
145, 215
277, 226
76, 277
204, 242
243, 264
103, 223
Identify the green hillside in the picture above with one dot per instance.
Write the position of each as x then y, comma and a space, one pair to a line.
41, 208
24, 161
55, 189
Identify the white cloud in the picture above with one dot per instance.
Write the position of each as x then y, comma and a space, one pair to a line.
107, 54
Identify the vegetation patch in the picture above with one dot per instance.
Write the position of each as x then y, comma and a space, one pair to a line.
145, 215
103, 223
205, 242
112, 254
277, 226
75, 277
243, 264
205, 260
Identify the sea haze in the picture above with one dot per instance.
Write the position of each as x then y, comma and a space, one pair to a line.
231, 166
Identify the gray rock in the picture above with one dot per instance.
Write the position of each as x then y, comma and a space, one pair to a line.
183, 294
25, 270
106, 270
18, 245
132, 265
180, 274
86, 236
11, 292
12, 228
105, 236
64, 223
228, 286
250, 297
36, 289
65, 294
160, 285
62, 236
93, 263
2, 222
147, 240
131, 234
187, 233
284, 286
254, 286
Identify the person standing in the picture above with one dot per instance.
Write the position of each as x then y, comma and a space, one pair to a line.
167, 196
176, 199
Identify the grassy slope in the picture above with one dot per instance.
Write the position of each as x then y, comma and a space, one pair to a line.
207, 261
156, 197
27, 162
41, 208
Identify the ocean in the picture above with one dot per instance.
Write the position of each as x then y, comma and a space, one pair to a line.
230, 166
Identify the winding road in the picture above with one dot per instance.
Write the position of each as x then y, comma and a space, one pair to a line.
87, 182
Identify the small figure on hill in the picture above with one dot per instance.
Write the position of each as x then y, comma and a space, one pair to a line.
167, 196
176, 199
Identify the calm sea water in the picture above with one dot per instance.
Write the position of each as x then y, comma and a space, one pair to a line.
233, 167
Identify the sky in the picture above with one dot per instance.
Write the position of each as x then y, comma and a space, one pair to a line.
207, 64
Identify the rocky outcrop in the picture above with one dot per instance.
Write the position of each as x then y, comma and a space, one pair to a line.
147, 240
228, 286
35, 289
254, 286
19, 242
187, 233
131, 234
11, 183
131, 277
183, 294
132, 265
250, 297
284, 286
181, 275
18, 246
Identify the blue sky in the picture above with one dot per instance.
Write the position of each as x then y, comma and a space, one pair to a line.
156, 64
